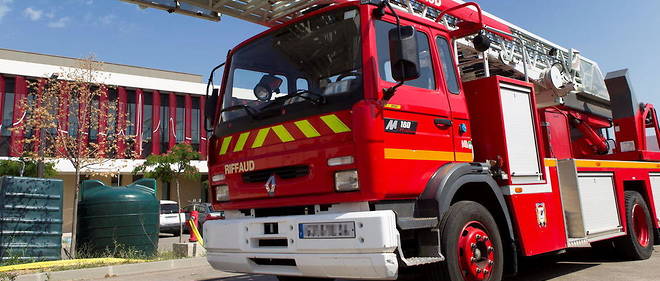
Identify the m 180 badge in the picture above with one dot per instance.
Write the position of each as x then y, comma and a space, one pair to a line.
400, 126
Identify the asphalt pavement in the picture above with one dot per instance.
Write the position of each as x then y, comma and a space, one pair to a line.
576, 265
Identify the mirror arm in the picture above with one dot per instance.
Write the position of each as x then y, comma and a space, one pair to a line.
208, 86
389, 92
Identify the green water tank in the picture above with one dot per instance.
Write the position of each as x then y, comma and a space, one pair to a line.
118, 218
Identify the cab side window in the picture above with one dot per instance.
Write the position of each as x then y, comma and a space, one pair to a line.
447, 60
426, 80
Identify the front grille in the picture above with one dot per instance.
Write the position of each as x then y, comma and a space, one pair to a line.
289, 172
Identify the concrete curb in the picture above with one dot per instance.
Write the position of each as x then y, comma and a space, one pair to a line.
114, 270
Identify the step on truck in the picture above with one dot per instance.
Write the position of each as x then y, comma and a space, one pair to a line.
374, 139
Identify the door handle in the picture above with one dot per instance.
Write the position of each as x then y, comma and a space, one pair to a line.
441, 122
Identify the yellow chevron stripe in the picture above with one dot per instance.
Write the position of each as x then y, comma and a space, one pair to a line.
225, 145
282, 133
242, 139
307, 129
335, 124
411, 154
261, 137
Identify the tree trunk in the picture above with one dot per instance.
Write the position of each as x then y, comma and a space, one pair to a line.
178, 199
74, 230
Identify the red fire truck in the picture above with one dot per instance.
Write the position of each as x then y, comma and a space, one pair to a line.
368, 139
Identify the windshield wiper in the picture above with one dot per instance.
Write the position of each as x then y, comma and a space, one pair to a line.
320, 99
280, 102
250, 111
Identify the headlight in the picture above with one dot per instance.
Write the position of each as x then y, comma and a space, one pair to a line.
222, 193
346, 181
218, 177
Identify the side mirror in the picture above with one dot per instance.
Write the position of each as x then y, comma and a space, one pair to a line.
404, 54
268, 85
210, 110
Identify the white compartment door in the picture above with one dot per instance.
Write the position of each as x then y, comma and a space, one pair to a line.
520, 134
655, 187
599, 209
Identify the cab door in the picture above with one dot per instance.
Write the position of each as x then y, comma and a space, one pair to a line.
417, 118
451, 82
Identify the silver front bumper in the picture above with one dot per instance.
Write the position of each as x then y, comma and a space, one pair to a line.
234, 245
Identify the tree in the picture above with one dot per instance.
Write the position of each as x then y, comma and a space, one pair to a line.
70, 117
172, 166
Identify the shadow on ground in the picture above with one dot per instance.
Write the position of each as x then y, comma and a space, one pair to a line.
531, 269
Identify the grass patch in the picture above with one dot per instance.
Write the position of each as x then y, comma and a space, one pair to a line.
87, 258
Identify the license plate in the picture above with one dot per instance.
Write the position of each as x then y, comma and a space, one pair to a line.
328, 230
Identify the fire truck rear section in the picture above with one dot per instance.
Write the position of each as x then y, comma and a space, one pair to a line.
515, 147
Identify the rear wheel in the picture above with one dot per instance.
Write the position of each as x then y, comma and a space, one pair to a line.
471, 244
638, 243
295, 278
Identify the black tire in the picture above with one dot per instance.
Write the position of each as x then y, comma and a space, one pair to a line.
453, 227
629, 246
656, 236
295, 278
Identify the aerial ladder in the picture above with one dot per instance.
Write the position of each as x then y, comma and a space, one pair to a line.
562, 76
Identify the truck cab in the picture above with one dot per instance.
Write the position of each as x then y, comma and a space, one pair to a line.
320, 152
354, 140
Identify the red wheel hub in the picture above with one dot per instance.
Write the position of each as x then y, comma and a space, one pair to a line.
476, 252
640, 225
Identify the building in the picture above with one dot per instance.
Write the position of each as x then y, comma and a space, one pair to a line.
165, 108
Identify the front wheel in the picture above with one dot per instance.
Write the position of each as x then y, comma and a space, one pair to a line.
471, 244
638, 243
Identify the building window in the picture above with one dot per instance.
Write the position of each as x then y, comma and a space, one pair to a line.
7, 115
147, 126
180, 118
164, 123
73, 118
195, 124
94, 119
131, 112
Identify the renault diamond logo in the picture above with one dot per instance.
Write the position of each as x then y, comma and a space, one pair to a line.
271, 185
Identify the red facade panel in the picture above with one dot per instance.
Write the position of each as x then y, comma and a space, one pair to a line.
203, 143
172, 121
121, 120
16, 146
139, 109
103, 122
157, 126
188, 120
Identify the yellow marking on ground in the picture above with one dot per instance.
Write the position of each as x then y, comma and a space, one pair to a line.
335, 124
225, 145
411, 154
261, 137
307, 129
242, 139
63, 263
464, 157
282, 133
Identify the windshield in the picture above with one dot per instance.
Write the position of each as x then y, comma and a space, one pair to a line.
309, 67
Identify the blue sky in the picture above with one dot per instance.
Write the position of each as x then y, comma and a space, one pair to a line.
613, 33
